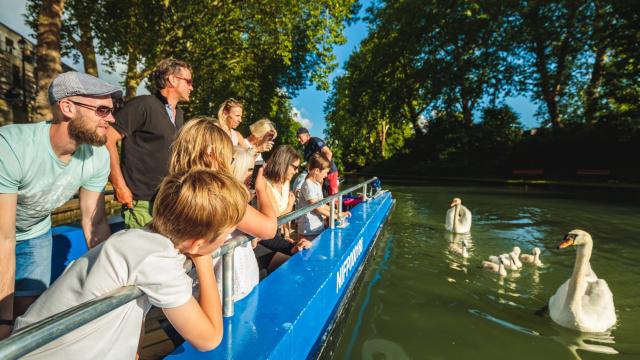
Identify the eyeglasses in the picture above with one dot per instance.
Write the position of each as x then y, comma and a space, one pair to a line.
101, 110
295, 167
188, 81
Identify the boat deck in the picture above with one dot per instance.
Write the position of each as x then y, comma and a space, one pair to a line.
156, 344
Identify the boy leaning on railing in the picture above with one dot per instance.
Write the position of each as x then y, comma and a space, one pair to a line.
193, 213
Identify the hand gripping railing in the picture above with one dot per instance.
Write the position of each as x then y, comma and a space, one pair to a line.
43, 332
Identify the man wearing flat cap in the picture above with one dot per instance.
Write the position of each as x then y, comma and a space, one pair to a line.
42, 166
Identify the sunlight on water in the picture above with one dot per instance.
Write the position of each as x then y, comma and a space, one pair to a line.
421, 299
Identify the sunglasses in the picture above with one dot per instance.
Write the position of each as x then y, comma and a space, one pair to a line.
295, 167
102, 110
188, 81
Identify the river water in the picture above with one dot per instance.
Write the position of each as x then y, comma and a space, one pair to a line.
418, 301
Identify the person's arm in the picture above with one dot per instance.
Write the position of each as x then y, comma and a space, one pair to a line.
8, 205
290, 203
261, 223
322, 210
122, 193
200, 322
93, 217
241, 142
327, 152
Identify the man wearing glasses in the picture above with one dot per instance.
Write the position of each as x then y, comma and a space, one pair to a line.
43, 165
147, 125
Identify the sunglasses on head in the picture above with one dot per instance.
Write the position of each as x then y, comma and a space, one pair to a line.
101, 110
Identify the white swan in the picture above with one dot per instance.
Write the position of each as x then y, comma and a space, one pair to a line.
459, 249
534, 258
458, 218
583, 302
496, 268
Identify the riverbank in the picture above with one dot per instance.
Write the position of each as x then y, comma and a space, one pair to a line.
603, 190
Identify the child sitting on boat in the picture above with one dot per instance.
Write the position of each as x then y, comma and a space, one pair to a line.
193, 213
312, 224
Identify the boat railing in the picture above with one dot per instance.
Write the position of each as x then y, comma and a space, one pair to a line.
43, 332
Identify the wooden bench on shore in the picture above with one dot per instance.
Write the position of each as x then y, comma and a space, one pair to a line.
527, 172
593, 172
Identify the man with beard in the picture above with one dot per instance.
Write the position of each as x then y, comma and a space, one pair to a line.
147, 125
43, 165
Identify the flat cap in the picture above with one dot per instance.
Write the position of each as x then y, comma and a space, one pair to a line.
73, 83
302, 130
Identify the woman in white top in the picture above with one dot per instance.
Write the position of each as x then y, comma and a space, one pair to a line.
281, 167
200, 143
245, 267
278, 171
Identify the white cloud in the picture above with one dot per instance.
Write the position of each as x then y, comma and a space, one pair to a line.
296, 114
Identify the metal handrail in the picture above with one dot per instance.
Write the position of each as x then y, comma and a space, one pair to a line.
227, 246
57, 325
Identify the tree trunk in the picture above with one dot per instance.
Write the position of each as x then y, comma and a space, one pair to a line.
48, 54
86, 47
132, 80
383, 128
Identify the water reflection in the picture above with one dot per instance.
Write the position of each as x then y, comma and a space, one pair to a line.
590, 342
382, 349
454, 259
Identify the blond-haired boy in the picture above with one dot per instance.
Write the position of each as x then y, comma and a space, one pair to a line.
193, 213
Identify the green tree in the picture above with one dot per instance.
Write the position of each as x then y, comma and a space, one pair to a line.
48, 64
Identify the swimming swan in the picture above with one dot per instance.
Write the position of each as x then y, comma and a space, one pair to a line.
583, 302
459, 249
457, 211
532, 259
496, 268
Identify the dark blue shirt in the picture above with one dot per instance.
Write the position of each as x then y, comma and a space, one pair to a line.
313, 146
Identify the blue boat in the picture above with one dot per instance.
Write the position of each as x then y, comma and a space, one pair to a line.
288, 315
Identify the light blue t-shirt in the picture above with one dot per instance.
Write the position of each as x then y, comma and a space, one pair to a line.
30, 168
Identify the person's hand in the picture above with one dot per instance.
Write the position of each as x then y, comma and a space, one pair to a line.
303, 244
265, 146
345, 214
201, 261
123, 195
261, 183
292, 200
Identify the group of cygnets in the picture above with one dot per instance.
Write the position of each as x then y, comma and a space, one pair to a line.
512, 261
584, 302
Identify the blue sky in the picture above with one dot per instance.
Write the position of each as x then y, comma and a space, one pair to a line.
309, 102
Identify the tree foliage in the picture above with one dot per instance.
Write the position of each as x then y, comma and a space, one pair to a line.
261, 52
437, 65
